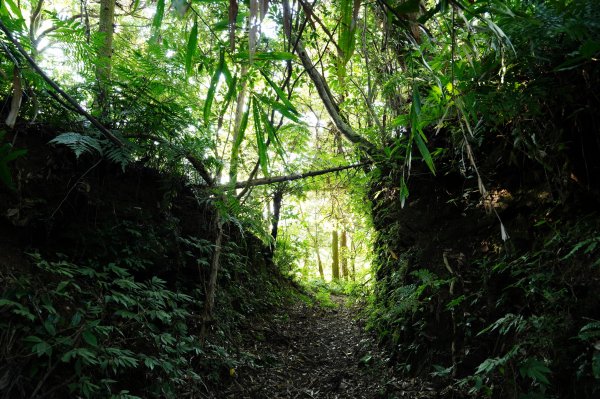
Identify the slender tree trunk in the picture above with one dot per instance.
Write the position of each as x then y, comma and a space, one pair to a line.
335, 265
277, 199
104, 66
240, 109
211, 288
353, 260
321, 273
344, 255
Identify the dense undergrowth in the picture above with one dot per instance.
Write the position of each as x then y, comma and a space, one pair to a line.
102, 287
516, 318
486, 272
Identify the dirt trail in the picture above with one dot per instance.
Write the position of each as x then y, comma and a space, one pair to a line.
312, 352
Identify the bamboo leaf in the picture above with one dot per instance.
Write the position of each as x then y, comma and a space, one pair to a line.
158, 17
232, 90
213, 88
416, 100
227, 74
419, 139
14, 8
348, 13
403, 192
347, 39
136, 5
280, 93
271, 133
281, 108
191, 48
260, 139
241, 133
443, 6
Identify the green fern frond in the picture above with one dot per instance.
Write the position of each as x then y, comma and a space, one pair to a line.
118, 155
79, 143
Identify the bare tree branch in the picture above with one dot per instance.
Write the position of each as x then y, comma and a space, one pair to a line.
330, 104
295, 176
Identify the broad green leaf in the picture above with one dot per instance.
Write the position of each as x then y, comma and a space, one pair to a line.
42, 348
191, 48
50, 327
76, 319
260, 139
90, 338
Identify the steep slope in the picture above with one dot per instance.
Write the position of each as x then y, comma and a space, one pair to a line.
102, 280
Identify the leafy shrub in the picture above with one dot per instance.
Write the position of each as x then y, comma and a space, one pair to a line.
96, 331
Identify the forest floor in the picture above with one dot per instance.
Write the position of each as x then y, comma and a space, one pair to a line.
310, 351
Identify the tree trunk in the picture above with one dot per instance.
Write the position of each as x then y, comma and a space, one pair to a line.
353, 261
335, 265
344, 255
237, 126
321, 273
277, 199
211, 288
104, 66
331, 105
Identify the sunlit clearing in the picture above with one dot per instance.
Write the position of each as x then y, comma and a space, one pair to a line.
309, 225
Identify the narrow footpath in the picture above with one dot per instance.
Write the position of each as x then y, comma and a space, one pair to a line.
308, 351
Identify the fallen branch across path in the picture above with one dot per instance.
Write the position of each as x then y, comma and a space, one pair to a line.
295, 176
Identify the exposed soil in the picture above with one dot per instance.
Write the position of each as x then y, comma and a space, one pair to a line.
305, 351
